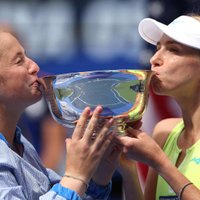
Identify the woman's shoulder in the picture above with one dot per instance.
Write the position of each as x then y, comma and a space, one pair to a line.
164, 128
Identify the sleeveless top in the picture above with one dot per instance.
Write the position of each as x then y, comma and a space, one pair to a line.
190, 166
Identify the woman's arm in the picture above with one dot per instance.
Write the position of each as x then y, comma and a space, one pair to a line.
131, 185
84, 152
160, 134
140, 146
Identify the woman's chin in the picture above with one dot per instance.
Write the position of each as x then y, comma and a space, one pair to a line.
37, 97
156, 89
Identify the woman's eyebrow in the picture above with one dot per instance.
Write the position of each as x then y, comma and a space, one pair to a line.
172, 42
168, 42
19, 53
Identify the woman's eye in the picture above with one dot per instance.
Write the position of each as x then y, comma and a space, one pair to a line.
173, 49
19, 60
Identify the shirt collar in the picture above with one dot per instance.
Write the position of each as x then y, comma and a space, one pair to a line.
3, 138
17, 137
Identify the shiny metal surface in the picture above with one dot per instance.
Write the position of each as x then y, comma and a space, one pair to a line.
122, 93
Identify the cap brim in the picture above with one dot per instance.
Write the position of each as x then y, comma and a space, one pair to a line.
184, 30
151, 30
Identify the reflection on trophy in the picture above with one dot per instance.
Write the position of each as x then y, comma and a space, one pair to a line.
123, 94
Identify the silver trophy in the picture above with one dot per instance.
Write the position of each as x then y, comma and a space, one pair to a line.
123, 94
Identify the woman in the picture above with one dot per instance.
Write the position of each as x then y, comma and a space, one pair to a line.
173, 155
22, 176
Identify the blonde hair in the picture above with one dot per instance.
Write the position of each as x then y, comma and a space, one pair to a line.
195, 16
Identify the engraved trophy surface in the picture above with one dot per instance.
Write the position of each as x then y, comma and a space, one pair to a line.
123, 94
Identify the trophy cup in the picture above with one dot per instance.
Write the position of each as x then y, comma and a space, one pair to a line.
123, 94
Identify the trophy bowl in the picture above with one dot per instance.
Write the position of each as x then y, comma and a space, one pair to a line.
123, 94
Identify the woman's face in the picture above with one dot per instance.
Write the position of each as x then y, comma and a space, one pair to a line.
19, 84
177, 69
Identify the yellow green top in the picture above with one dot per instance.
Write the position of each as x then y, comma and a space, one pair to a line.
190, 166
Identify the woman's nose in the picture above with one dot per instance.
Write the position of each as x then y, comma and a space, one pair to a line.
156, 60
33, 68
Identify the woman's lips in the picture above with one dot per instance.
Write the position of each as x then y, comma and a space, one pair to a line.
37, 85
155, 72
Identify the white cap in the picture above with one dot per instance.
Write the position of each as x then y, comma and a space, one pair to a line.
184, 29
